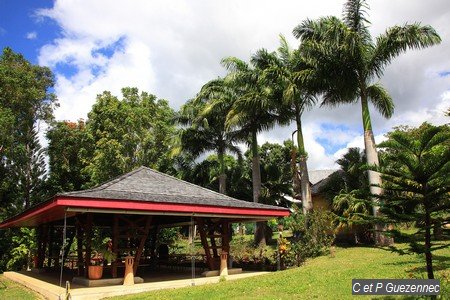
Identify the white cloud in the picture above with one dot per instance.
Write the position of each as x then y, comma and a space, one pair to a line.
172, 48
31, 35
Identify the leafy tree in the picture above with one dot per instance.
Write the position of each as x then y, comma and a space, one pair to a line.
276, 179
127, 133
206, 116
28, 171
283, 69
349, 62
24, 102
66, 143
415, 168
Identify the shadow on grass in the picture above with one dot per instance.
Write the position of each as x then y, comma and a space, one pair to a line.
439, 263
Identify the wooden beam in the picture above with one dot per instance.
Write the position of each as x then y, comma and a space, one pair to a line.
213, 243
137, 258
201, 230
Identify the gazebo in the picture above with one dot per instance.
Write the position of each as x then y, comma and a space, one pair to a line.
134, 207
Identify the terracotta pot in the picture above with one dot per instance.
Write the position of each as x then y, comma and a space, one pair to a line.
95, 272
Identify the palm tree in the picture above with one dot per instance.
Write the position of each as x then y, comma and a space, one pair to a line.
252, 112
283, 70
348, 61
207, 125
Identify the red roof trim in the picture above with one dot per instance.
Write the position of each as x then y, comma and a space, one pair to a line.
167, 207
30, 213
116, 204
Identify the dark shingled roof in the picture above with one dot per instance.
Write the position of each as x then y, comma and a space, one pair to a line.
145, 184
318, 178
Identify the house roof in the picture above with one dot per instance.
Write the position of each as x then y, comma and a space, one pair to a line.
318, 178
144, 191
319, 175
145, 184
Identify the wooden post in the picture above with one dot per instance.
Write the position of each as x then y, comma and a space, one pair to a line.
226, 237
71, 235
79, 229
50, 246
88, 242
223, 264
115, 245
144, 236
40, 256
129, 276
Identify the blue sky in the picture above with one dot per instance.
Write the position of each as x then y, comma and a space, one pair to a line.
171, 48
22, 30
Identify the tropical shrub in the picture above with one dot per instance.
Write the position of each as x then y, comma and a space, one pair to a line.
312, 235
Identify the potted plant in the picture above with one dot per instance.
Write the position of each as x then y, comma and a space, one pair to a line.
95, 270
98, 259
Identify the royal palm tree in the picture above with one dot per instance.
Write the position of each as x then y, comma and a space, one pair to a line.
283, 69
349, 62
252, 111
206, 131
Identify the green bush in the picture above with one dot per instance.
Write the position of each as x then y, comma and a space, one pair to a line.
244, 251
312, 236
24, 246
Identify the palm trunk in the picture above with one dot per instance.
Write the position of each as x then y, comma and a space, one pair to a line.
374, 177
222, 175
256, 182
256, 172
307, 204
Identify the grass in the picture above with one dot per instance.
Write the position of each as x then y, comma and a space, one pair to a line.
10, 290
320, 278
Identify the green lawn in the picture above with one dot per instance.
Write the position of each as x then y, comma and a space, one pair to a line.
320, 278
10, 290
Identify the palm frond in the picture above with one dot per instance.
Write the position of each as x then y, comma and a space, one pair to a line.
354, 15
381, 99
234, 64
398, 39
284, 51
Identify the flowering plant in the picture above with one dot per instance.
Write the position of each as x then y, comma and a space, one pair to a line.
97, 259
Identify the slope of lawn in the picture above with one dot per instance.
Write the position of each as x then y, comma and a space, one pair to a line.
10, 290
320, 278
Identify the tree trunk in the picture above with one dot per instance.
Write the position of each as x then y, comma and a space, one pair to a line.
307, 204
437, 230
260, 233
256, 182
295, 178
222, 175
256, 171
374, 177
428, 256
